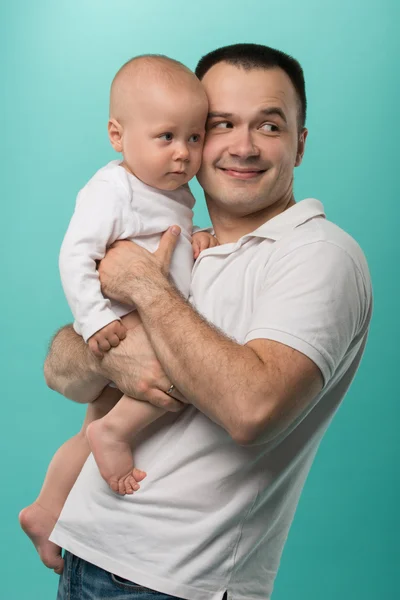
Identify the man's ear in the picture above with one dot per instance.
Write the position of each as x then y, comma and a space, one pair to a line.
301, 146
115, 134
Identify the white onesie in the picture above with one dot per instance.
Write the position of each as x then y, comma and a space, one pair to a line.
115, 205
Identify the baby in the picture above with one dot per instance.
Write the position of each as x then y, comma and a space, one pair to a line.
158, 111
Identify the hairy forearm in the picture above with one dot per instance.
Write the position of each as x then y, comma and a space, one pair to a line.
71, 369
223, 379
253, 390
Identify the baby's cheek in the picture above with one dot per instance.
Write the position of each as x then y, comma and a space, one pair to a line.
197, 162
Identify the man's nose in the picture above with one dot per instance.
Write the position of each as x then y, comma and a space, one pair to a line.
242, 144
181, 151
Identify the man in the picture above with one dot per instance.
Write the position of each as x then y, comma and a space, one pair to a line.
263, 357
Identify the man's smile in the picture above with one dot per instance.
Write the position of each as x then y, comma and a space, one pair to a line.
242, 172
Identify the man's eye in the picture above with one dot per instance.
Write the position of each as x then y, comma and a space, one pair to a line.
269, 127
196, 137
168, 137
222, 125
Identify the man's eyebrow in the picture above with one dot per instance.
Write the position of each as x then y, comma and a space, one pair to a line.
274, 110
266, 112
223, 115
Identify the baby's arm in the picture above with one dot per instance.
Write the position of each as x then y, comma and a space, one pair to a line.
99, 219
201, 240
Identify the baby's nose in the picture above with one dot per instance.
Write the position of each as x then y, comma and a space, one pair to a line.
182, 152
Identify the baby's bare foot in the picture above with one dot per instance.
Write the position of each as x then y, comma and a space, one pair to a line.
38, 524
114, 458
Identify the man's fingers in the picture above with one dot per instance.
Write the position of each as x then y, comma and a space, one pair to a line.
178, 396
167, 246
120, 243
164, 401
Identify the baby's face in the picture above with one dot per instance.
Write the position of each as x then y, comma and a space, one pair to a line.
163, 135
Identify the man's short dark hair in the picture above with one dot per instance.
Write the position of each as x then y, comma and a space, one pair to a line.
256, 56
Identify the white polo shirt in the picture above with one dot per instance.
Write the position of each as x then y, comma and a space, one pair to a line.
212, 515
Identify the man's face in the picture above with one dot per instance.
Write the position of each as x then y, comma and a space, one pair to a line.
252, 141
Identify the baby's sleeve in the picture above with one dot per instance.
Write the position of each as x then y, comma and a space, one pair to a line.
98, 221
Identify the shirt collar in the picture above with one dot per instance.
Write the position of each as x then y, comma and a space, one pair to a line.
275, 228
296, 215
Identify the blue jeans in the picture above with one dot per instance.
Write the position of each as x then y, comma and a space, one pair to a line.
83, 581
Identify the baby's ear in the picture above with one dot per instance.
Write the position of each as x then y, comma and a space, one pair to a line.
115, 134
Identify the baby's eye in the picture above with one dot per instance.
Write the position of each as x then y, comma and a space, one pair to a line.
196, 137
269, 127
168, 137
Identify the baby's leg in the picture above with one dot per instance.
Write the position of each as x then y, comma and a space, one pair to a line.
38, 519
111, 437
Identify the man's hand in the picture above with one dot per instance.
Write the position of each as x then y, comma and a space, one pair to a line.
130, 274
135, 369
106, 338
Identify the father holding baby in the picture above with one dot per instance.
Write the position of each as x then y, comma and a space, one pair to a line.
262, 354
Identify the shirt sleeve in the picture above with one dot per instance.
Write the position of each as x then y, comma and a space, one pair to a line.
98, 221
197, 229
313, 300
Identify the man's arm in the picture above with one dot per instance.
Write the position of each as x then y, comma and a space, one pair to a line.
71, 369
259, 389
253, 391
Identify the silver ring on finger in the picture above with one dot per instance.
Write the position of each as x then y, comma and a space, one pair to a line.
170, 389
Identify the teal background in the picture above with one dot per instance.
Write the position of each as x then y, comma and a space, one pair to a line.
57, 60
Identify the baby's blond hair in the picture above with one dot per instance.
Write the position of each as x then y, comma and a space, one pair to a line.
145, 69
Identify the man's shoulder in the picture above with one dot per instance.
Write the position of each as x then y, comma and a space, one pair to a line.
325, 237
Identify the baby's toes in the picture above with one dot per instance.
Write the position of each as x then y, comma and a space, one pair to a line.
131, 485
121, 487
138, 474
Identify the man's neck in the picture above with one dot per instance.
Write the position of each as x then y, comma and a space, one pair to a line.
229, 228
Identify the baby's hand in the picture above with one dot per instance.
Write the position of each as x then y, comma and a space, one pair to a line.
106, 338
201, 240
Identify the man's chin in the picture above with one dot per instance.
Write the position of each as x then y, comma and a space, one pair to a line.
229, 191
240, 200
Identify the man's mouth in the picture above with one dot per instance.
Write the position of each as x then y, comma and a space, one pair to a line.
242, 172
